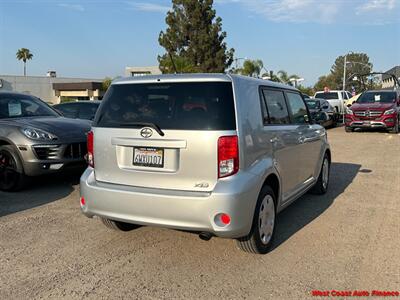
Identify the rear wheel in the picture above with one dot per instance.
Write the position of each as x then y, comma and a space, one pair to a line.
12, 177
321, 186
119, 226
261, 236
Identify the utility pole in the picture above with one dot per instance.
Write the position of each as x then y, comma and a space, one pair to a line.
344, 72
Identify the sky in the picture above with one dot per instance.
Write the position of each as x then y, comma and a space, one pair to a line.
99, 38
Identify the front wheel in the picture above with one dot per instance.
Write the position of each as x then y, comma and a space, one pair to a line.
12, 177
395, 128
348, 129
261, 236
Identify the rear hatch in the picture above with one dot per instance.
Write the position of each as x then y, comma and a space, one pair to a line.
163, 134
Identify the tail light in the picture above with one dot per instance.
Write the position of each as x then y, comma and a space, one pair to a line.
228, 156
90, 149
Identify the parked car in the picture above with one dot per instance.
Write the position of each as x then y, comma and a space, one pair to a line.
36, 140
375, 109
215, 154
322, 112
335, 98
78, 110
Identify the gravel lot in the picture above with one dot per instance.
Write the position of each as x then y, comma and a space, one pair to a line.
348, 239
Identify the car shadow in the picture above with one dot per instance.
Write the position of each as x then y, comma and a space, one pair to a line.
309, 207
39, 191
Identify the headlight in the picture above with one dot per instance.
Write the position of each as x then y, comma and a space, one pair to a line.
349, 111
37, 134
390, 111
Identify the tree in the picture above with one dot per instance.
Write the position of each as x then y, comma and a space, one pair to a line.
251, 68
106, 83
357, 63
285, 78
194, 40
24, 54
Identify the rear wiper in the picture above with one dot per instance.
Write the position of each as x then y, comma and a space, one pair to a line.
144, 124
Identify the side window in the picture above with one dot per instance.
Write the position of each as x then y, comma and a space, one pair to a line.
276, 105
298, 110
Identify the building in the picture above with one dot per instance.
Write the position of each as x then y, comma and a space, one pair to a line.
53, 89
387, 80
141, 71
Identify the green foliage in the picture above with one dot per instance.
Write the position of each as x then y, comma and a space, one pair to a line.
106, 83
306, 90
65, 99
357, 63
24, 54
194, 39
251, 68
285, 78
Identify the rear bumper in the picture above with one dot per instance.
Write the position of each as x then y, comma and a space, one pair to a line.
192, 211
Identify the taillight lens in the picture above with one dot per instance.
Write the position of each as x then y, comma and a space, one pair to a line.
90, 148
228, 156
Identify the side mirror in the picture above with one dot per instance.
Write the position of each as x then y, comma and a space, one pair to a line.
306, 118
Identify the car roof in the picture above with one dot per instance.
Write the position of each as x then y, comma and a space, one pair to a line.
197, 77
380, 91
79, 102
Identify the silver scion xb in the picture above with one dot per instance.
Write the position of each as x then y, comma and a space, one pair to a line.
215, 154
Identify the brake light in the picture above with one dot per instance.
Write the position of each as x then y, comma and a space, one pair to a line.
228, 156
90, 149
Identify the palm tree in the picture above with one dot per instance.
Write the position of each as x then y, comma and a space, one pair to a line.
24, 54
285, 78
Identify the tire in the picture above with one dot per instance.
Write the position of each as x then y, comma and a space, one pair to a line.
321, 186
12, 176
348, 129
119, 226
256, 241
395, 129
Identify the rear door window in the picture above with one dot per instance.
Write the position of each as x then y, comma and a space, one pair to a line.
276, 106
185, 105
87, 111
297, 107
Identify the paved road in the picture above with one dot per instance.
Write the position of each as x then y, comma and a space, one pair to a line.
345, 240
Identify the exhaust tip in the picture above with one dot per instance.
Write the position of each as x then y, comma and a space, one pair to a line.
205, 236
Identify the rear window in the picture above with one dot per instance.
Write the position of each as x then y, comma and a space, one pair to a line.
190, 106
327, 96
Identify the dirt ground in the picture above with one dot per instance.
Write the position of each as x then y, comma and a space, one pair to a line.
346, 240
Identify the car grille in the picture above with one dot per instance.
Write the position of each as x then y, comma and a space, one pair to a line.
45, 152
368, 113
75, 151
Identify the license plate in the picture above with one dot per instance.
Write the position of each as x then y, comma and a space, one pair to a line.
367, 122
148, 157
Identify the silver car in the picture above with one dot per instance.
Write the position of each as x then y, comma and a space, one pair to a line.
215, 154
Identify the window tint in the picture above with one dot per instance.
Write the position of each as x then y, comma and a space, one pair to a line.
191, 106
276, 105
87, 111
20, 106
377, 97
327, 96
68, 110
298, 110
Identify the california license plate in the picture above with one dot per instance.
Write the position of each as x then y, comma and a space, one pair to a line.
367, 122
148, 157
